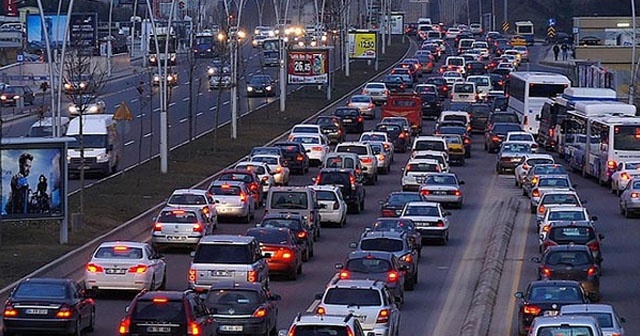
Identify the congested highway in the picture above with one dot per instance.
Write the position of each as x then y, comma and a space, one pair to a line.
448, 274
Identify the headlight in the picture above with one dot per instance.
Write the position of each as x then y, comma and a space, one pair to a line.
93, 109
169, 78
102, 158
73, 109
210, 71
250, 89
268, 88
156, 78
82, 85
152, 58
67, 86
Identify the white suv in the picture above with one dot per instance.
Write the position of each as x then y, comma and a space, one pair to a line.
313, 324
369, 301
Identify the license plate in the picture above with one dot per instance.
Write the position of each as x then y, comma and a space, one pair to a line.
115, 271
231, 328
361, 318
347, 121
221, 273
419, 179
464, 96
159, 329
177, 238
439, 192
551, 313
36, 311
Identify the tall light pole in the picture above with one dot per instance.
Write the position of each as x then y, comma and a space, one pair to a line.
480, 13
56, 121
281, 52
468, 14
632, 85
61, 67
109, 65
506, 18
234, 67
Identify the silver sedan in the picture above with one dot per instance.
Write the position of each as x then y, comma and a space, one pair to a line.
630, 198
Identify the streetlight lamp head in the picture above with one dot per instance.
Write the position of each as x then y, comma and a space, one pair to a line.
241, 34
221, 36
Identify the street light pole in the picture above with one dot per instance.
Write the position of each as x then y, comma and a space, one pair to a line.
281, 53
56, 121
61, 66
632, 85
109, 65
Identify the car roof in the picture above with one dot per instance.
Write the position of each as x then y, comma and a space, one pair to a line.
360, 283
47, 280
587, 308
226, 239
375, 254
189, 191
418, 161
422, 203
558, 320
171, 295
287, 215
540, 283
382, 234
123, 243
326, 187
232, 183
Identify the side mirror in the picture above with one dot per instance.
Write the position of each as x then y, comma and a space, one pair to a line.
600, 236
353, 245
126, 309
594, 218
192, 254
318, 296
267, 255
338, 266
381, 202
282, 332
518, 295
447, 213
574, 186
275, 297
535, 259
461, 183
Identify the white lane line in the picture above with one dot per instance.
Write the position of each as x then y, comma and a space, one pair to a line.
116, 106
172, 104
185, 99
141, 115
251, 74
183, 120
213, 108
200, 93
128, 143
156, 109
258, 71
199, 114
134, 100
147, 135
226, 103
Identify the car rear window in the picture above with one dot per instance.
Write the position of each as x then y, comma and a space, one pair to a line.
304, 129
464, 88
265, 150
375, 86
506, 117
324, 195
605, 320
353, 297
288, 223
516, 148
334, 178
421, 211
360, 150
256, 168
320, 330
430, 145
187, 199
382, 244
423, 168
565, 330
504, 129
551, 169
568, 199
373, 137
567, 215
452, 130
553, 182
346, 113
225, 190
177, 216
455, 117
404, 198
360, 99
521, 137
555, 293
533, 162
340, 162
159, 309
306, 140
265, 159
118, 252
289, 200
568, 258
222, 254
403, 102
239, 301
270, 236
578, 235
368, 265
441, 180
246, 178
27, 290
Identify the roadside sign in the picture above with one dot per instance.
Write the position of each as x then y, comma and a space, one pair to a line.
123, 113
551, 32
552, 22
363, 44
506, 26
20, 57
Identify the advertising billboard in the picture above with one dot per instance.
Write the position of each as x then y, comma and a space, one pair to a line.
83, 30
396, 23
33, 179
308, 66
363, 44
55, 29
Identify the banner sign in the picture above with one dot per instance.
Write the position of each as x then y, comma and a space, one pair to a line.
84, 30
308, 66
363, 45
33, 179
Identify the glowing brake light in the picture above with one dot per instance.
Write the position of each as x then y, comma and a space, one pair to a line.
287, 254
360, 119
160, 300
64, 312
425, 192
9, 311
393, 276
635, 195
407, 258
321, 311
383, 316
278, 170
94, 268
302, 234
316, 148
123, 329
592, 271
260, 312
366, 160
541, 209
243, 197
625, 176
194, 328
532, 310
611, 164
440, 223
157, 227
121, 248
545, 271
192, 275
594, 246
252, 276
138, 269
535, 193
344, 275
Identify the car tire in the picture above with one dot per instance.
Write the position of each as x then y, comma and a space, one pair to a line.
532, 209
627, 213
152, 285
409, 284
247, 219
311, 252
356, 208
445, 239
299, 270
293, 274
163, 284
92, 321
524, 192
362, 205
77, 331
306, 254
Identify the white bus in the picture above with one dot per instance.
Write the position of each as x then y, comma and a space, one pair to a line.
528, 91
613, 131
525, 29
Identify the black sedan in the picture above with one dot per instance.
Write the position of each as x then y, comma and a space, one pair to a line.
510, 155
496, 132
331, 126
393, 205
401, 139
295, 155
49, 305
394, 83
396, 224
431, 106
545, 298
352, 119
261, 86
243, 308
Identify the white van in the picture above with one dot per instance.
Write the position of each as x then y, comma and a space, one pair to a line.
464, 92
101, 144
483, 84
464, 45
44, 127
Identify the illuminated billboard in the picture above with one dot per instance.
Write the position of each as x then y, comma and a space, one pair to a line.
55, 30
363, 44
33, 178
309, 66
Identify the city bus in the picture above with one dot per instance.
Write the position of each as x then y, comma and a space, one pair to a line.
525, 29
271, 52
158, 54
555, 109
598, 135
528, 91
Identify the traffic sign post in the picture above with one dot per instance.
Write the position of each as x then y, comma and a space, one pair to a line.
506, 26
551, 32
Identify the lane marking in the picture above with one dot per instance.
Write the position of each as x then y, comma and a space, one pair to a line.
226, 103
183, 120
519, 264
213, 108
199, 114
141, 115
134, 100
156, 109
128, 143
147, 135
185, 99
171, 104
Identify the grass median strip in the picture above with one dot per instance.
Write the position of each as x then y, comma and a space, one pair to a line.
26, 246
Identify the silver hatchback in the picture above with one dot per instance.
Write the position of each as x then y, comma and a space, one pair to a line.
179, 226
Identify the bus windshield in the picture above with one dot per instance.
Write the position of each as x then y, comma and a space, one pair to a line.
546, 90
626, 138
162, 43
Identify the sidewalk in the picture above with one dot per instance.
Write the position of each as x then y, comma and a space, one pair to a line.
548, 59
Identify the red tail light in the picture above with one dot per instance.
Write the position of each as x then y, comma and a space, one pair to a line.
316, 148
467, 141
546, 228
336, 206
94, 268
205, 210
393, 276
252, 276
545, 271
541, 209
592, 271
440, 223
388, 213
366, 160
635, 195
9, 311
278, 170
344, 275
407, 258
138, 269
425, 192
625, 176
197, 227
260, 312
123, 329
302, 234
192, 275
402, 136
383, 316
299, 157
157, 227
532, 310
194, 329
65, 312
253, 186
243, 197
457, 193
286, 254
611, 164
360, 119
535, 193
495, 138
593, 246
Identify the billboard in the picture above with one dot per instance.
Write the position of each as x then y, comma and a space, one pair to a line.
309, 66
55, 29
363, 44
33, 179
83, 30
396, 22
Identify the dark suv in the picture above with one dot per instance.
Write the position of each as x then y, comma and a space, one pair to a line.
295, 155
496, 133
352, 119
400, 138
169, 313
352, 189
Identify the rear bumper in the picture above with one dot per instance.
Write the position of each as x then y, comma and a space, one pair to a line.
46, 326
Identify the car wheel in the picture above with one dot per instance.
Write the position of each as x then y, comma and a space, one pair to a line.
532, 209
311, 252
293, 274
445, 239
78, 329
627, 213
152, 285
620, 208
362, 204
485, 147
524, 192
409, 284
356, 208
305, 255
247, 219
299, 270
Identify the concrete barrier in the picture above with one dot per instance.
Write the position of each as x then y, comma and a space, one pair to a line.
479, 315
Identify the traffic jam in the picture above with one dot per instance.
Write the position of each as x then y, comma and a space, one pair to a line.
454, 95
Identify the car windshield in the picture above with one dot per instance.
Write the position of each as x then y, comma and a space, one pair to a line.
567, 215
365, 297
368, 265
162, 310
568, 258
223, 254
568, 199
40, 290
289, 200
177, 216
553, 182
187, 199
118, 252
441, 180
270, 236
360, 150
403, 198
421, 211
562, 330
568, 234
89, 141
605, 320
233, 301
555, 293
382, 244
292, 224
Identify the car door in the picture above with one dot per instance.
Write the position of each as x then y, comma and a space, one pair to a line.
202, 315
83, 303
259, 263
156, 263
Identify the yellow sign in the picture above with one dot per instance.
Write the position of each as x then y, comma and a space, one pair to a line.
123, 113
518, 41
505, 26
363, 45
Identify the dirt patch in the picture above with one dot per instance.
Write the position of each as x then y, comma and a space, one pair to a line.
26, 246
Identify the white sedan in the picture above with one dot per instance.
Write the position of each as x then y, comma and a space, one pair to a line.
430, 219
523, 137
316, 146
262, 170
277, 166
625, 172
86, 104
528, 161
126, 266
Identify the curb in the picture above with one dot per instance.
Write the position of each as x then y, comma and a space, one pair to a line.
479, 315
128, 230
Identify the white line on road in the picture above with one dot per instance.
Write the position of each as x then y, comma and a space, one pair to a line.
156, 109
213, 108
226, 103
128, 143
185, 99
250, 74
183, 120
172, 104
134, 100
200, 93
116, 106
140, 115
199, 114
147, 135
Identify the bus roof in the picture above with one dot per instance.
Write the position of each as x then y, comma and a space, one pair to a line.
617, 119
599, 108
524, 23
583, 93
540, 77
